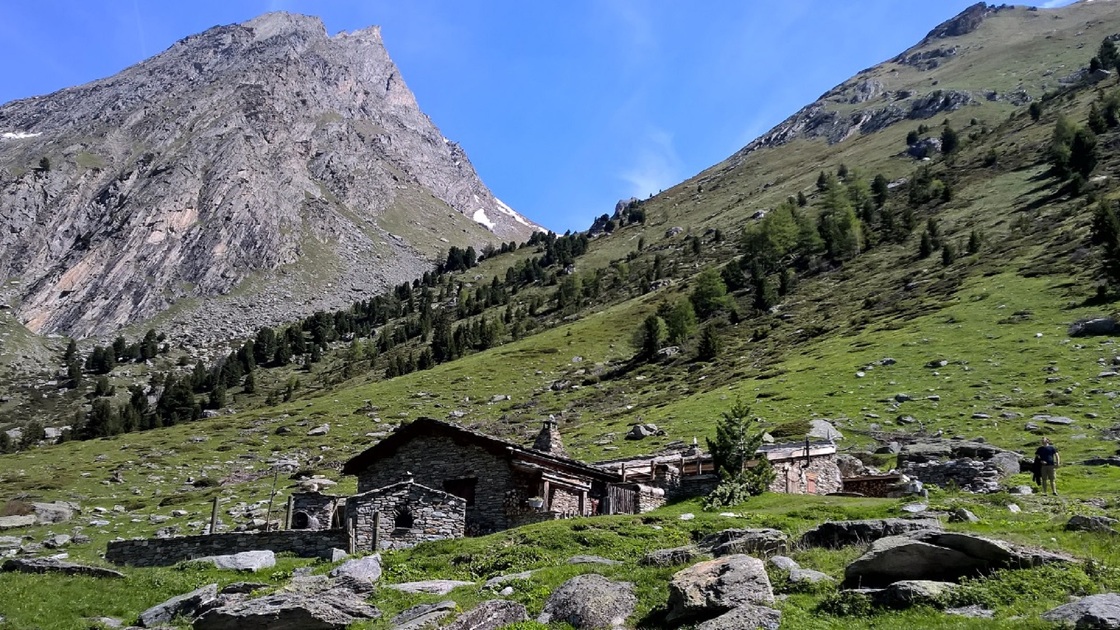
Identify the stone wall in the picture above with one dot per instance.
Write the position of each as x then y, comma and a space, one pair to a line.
158, 552
410, 513
434, 460
872, 485
793, 476
965, 473
565, 502
688, 486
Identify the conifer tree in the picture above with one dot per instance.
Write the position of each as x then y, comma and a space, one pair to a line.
743, 472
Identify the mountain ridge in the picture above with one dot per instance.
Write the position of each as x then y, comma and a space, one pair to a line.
228, 156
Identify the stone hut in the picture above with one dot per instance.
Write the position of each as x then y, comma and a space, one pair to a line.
808, 468
402, 515
314, 511
503, 484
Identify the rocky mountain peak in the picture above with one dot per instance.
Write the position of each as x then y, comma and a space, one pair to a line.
264, 151
961, 24
282, 23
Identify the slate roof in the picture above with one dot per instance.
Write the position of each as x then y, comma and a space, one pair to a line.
460, 434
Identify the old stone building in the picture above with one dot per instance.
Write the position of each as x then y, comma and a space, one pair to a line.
800, 468
402, 515
503, 484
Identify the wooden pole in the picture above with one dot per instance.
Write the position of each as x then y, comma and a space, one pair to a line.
214, 517
376, 532
288, 512
271, 496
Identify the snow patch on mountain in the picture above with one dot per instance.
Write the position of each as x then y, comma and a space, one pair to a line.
480, 217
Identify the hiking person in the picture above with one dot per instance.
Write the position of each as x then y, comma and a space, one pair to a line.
1048, 456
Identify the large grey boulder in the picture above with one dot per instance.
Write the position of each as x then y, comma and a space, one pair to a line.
490, 615
423, 616
671, 557
245, 561
749, 541
434, 587
186, 605
50, 565
808, 576
1095, 612
1098, 524
712, 588
907, 593
745, 618
1007, 463
13, 522
328, 610
900, 558
823, 430
590, 601
940, 556
367, 569
56, 512
500, 580
835, 534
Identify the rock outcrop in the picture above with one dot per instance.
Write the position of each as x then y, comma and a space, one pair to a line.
940, 556
255, 149
590, 601
709, 589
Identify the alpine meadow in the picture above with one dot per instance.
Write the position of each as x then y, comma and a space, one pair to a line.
273, 356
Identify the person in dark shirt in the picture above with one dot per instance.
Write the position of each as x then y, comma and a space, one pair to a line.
1048, 456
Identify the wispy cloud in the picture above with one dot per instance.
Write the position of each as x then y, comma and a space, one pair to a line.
140, 35
655, 165
1052, 4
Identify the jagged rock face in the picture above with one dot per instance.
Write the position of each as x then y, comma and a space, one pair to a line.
963, 23
253, 150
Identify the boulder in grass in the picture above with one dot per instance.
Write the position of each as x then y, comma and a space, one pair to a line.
590, 602
671, 557
186, 605
329, 610
709, 589
423, 616
367, 568
50, 565
1097, 524
1095, 612
834, 534
749, 541
940, 556
245, 561
744, 617
490, 615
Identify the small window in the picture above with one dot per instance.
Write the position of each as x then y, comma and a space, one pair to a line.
403, 519
462, 488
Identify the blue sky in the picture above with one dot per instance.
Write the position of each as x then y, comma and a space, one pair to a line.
563, 107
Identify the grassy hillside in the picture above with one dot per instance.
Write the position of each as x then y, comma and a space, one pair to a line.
979, 340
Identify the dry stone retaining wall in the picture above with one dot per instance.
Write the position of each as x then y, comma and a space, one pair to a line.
158, 552
967, 474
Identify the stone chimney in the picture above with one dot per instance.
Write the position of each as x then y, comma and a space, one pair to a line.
548, 440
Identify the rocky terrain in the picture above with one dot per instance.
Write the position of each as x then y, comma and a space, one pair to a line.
265, 161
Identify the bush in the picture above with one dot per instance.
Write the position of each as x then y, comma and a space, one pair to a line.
15, 507
796, 429
846, 604
1008, 586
